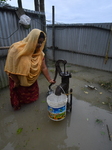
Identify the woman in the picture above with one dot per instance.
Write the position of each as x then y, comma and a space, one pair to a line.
24, 63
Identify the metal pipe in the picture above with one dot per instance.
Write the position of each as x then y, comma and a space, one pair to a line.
5, 47
60, 89
79, 26
19, 4
77, 52
42, 5
53, 34
36, 5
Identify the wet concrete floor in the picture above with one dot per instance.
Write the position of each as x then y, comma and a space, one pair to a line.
87, 127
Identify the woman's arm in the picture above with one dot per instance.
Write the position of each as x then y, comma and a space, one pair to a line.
46, 73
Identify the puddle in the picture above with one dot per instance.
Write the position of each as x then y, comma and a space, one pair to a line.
84, 131
78, 131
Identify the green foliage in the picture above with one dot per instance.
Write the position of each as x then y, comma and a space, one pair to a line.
99, 121
106, 85
4, 0
19, 130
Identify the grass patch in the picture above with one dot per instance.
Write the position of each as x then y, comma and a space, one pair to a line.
108, 102
52, 70
73, 71
106, 85
99, 121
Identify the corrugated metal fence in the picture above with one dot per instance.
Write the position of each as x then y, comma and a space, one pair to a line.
88, 45
11, 31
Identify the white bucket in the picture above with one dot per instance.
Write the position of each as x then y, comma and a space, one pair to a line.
57, 106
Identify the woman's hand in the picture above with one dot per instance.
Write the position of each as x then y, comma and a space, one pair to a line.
16, 84
52, 81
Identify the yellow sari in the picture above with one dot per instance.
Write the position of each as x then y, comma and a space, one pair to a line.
23, 62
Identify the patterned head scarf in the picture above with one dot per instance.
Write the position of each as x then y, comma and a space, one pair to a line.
22, 61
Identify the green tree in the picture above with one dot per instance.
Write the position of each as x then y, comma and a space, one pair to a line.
3, 0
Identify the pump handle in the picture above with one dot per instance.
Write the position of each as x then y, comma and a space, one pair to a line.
58, 69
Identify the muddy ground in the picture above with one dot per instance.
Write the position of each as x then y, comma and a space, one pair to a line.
87, 127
